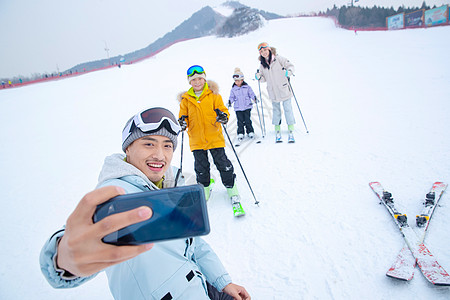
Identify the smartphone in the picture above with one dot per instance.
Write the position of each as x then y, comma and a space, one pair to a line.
178, 212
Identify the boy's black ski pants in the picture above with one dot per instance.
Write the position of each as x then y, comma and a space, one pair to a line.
223, 164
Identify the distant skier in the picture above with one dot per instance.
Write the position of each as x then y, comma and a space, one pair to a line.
276, 70
198, 115
241, 96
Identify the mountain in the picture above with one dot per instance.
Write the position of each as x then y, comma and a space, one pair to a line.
244, 20
204, 22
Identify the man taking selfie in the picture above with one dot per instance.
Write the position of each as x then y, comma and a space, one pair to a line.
176, 269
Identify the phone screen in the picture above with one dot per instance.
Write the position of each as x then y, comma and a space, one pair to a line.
179, 212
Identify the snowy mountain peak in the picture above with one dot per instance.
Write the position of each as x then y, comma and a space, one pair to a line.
226, 20
224, 9
242, 21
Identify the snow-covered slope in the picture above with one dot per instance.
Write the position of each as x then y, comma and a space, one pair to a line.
376, 105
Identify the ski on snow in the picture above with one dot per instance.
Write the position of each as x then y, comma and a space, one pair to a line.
244, 140
238, 211
236, 205
415, 250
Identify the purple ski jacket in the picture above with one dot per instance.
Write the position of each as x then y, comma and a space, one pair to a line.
241, 97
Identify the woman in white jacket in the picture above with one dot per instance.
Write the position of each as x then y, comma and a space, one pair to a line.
276, 70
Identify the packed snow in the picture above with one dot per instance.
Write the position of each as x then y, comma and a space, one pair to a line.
376, 106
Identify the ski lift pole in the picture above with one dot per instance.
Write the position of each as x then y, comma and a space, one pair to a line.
289, 81
219, 112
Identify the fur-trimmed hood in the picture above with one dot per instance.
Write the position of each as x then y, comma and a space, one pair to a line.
202, 127
274, 50
212, 85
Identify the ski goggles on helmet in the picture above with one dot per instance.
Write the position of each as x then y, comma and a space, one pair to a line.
152, 120
195, 69
262, 45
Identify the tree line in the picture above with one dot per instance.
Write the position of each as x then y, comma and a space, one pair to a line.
364, 17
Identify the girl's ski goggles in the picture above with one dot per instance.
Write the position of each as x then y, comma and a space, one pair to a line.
152, 120
262, 45
195, 69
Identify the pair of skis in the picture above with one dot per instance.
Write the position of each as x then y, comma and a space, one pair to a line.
239, 142
415, 251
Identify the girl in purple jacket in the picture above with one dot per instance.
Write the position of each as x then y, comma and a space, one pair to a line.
241, 96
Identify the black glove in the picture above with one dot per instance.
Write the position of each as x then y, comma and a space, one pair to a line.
183, 123
221, 116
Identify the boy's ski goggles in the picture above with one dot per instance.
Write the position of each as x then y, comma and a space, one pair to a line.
152, 120
195, 69
262, 45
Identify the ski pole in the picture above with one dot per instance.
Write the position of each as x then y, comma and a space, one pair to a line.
259, 117
289, 80
219, 113
260, 98
181, 162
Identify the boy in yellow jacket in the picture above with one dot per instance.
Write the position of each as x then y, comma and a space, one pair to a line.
198, 114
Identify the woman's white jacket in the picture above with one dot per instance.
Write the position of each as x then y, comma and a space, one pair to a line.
275, 76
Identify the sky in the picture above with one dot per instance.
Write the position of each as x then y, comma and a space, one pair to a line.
53, 35
376, 107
